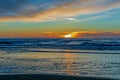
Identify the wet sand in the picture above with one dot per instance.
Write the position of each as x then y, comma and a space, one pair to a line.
46, 77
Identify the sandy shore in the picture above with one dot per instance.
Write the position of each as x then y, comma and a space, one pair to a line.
46, 77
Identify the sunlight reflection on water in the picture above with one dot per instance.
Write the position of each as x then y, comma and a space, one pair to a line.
101, 65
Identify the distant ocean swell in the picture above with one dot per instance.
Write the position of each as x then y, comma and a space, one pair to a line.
59, 45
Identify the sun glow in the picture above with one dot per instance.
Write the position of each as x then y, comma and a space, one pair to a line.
68, 36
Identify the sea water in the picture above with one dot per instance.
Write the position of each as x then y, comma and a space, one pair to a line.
75, 57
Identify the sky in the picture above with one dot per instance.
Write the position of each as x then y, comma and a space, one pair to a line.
59, 18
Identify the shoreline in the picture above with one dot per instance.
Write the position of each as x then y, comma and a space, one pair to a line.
47, 77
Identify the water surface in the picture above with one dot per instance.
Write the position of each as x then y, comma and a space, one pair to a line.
76, 57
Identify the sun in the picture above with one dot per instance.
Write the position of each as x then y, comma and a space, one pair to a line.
68, 36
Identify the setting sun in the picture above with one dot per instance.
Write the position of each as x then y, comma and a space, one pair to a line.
68, 36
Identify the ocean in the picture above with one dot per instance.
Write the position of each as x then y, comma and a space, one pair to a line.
74, 57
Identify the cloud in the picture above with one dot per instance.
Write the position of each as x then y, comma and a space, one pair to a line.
95, 34
40, 10
77, 34
29, 35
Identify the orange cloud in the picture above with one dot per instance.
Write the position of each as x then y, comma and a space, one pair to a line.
65, 10
94, 34
29, 35
77, 34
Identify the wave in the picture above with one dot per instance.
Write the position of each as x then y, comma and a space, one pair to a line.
71, 44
